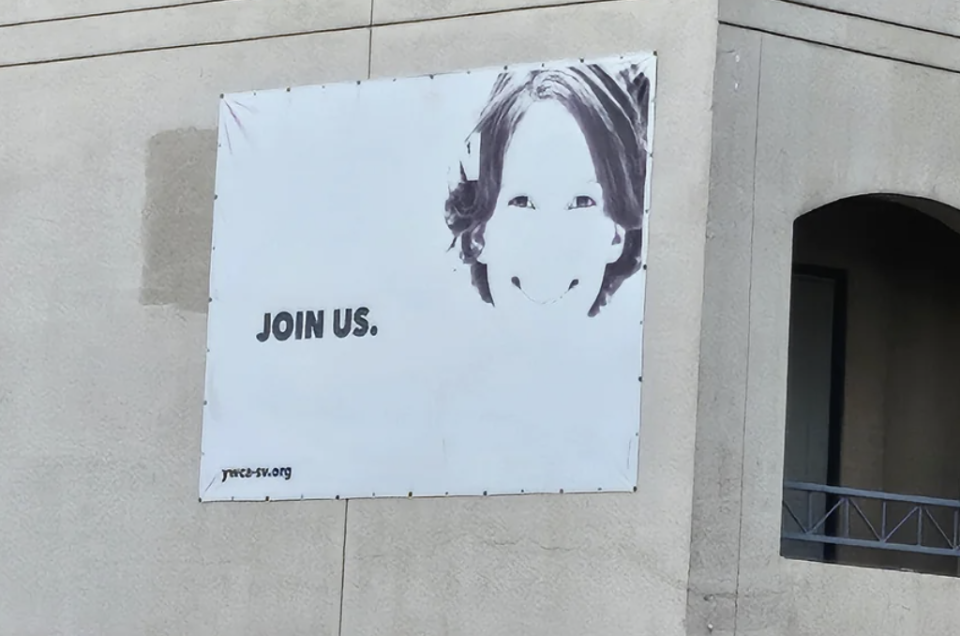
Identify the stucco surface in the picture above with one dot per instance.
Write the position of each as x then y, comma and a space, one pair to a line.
848, 600
849, 31
387, 11
830, 124
20, 11
549, 564
105, 205
106, 184
106, 173
176, 26
715, 523
935, 15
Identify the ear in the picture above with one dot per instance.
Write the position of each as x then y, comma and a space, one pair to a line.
616, 244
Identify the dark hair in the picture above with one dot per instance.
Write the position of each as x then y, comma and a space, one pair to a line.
612, 113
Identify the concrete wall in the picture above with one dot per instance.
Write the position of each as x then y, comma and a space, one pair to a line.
106, 173
107, 142
809, 107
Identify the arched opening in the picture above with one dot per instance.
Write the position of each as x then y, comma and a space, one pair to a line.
872, 454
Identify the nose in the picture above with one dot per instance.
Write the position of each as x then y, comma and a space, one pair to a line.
547, 292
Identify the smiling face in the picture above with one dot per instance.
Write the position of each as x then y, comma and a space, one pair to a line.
549, 240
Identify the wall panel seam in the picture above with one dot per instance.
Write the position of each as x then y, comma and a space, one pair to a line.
272, 36
481, 12
100, 14
343, 566
174, 47
849, 14
839, 47
746, 394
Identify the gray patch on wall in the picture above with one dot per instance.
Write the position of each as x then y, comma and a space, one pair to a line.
177, 219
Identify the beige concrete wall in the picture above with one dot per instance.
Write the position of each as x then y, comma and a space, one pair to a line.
22, 11
831, 599
106, 180
167, 28
801, 119
107, 127
942, 16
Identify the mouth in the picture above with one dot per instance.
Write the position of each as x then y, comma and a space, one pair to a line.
518, 285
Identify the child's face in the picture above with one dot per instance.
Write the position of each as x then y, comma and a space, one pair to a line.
548, 240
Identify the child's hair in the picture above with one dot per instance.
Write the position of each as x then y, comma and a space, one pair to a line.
612, 113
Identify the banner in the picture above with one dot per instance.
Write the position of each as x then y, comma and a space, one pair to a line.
430, 286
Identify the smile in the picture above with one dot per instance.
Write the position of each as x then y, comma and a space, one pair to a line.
516, 283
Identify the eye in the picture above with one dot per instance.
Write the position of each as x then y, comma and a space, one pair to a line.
522, 201
582, 201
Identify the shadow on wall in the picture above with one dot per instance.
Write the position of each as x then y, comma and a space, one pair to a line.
177, 219
872, 400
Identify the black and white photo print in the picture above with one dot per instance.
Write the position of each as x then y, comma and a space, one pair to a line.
430, 286
549, 200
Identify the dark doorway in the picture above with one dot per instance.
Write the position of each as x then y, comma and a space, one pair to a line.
814, 397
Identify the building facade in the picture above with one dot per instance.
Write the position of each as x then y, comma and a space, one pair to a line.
803, 265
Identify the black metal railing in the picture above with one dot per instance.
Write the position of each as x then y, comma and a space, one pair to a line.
867, 519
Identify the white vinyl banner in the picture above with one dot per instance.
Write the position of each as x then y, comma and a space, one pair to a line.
430, 286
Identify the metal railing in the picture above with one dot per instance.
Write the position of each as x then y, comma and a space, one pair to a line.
868, 519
